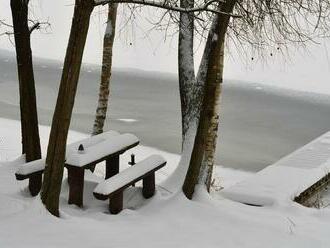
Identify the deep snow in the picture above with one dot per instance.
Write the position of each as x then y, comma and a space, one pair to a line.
287, 178
166, 220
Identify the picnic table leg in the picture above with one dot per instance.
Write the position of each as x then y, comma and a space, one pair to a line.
111, 166
116, 202
148, 189
35, 182
76, 185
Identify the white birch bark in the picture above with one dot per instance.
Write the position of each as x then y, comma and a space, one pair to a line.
104, 91
187, 81
202, 156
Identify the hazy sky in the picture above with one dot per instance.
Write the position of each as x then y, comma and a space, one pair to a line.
134, 48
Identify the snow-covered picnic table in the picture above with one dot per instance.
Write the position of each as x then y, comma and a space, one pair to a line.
105, 147
287, 178
85, 154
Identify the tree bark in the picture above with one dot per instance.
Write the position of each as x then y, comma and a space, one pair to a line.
108, 40
187, 81
51, 187
210, 107
27, 93
213, 118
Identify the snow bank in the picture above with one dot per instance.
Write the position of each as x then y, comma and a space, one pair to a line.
287, 178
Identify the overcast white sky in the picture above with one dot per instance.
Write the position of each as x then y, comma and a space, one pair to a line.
303, 71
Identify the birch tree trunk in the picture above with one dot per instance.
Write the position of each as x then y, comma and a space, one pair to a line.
108, 40
187, 86
27, 93
212, 133
209, 116
51, 187
187, 81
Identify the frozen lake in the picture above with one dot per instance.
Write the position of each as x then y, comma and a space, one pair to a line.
259, 124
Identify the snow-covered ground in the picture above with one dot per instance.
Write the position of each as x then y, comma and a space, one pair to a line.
166, 220
300, 169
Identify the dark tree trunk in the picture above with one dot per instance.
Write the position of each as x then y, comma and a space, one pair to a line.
211, 97
27, 93
51, 187
101, 110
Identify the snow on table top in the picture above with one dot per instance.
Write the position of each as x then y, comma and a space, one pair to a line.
38, 165
91, 141
128, 175
101, 149
287, 178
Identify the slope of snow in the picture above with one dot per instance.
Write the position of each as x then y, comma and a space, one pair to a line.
166, 220
287, 178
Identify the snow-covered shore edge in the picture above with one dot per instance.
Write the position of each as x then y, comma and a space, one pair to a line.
166, 220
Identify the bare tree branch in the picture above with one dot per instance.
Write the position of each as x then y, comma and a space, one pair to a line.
173, 7
36, 25
3, 23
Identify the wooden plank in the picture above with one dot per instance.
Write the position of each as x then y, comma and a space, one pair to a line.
21, 177
116, 202
304, 197
111, 166
148, 189
76, 185
35, 182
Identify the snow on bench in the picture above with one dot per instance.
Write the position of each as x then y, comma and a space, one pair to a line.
113, 187
29, 168
287, 178
33, 171
104, 148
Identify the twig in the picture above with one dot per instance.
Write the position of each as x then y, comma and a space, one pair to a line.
165, 5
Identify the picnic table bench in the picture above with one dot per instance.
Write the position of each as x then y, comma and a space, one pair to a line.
113, 187
32, 171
